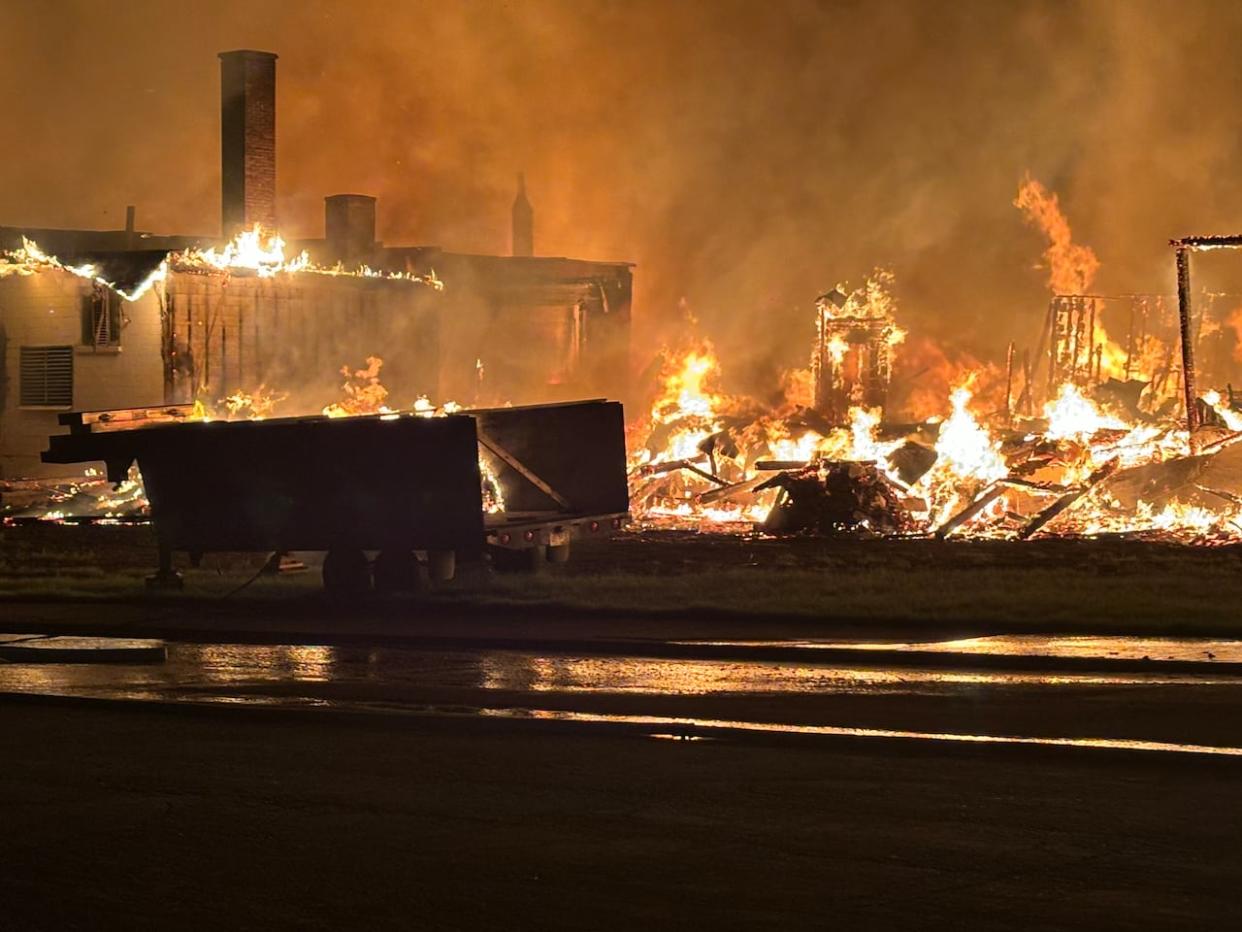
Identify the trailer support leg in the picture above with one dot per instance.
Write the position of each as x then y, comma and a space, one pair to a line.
165, 577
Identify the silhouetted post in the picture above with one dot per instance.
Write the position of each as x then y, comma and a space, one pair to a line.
523, 221
1188, 349
1009, 384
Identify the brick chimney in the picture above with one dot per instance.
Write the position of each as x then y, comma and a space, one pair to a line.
349, 226
247, 140
523, 221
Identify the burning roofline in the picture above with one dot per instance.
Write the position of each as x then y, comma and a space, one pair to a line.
253, 252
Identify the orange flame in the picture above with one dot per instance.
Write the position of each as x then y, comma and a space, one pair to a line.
1071, 266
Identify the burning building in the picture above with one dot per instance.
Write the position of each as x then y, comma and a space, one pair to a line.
120, 319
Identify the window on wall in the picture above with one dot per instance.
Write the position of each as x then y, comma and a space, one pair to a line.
47, 375
101, 317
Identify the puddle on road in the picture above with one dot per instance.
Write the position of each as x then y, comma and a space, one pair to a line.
397, 680
73, 649
697, 678
284, 669
1205, 650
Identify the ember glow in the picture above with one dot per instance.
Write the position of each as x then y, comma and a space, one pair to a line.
363, 392
255, 405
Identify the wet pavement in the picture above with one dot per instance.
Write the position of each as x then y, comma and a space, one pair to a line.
1199, 711
1196, 650
40, 649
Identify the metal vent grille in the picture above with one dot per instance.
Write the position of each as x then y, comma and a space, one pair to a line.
47, 375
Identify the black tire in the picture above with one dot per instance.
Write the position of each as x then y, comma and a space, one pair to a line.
346, 572
559, 553
398, 571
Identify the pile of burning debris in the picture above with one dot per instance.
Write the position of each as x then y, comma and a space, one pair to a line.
90, 497
1092, 462
1079, 469
1108, 451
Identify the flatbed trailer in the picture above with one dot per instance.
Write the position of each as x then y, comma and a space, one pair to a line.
403, 485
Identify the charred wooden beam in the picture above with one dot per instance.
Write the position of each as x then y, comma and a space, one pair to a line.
1009, 384
1188, 347
710, 477
780, 465
1042, 519
668, 466
84, 422
1227, 441
746, 487
1207, 242
1220, 493
990, 494
1020, 483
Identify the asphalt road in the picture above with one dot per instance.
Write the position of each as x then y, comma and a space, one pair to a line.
260, 786
139, 817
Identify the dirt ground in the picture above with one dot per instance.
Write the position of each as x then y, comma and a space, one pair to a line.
1119, 586
148, 819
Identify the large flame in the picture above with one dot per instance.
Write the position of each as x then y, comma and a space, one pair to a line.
1071, 266
257, 250
1073, 417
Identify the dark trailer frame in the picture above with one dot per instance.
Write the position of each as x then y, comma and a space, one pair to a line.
394, 483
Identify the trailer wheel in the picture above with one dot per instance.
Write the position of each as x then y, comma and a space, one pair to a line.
558, 553
346, 572
442, 565
398, 571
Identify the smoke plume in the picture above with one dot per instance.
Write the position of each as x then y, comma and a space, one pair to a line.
748, 156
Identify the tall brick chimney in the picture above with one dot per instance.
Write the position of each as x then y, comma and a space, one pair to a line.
349, 226
247, 140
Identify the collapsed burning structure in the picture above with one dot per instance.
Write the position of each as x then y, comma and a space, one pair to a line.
1090, 438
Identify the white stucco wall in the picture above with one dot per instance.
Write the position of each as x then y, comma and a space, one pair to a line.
45, 310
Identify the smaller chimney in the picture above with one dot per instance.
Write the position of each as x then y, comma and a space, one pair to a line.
349, 226
523, 221
129, 227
